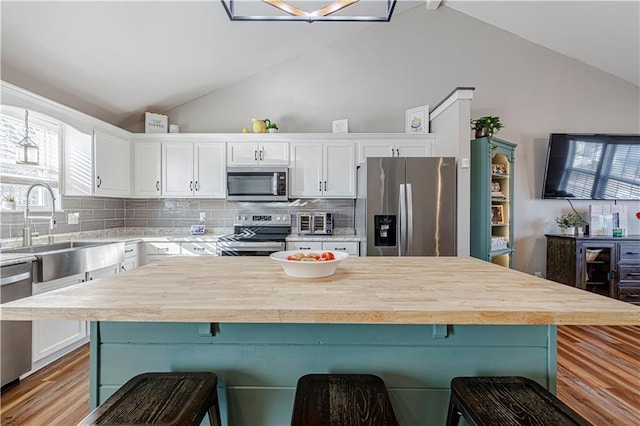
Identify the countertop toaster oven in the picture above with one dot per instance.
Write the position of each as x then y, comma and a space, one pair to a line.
315, 223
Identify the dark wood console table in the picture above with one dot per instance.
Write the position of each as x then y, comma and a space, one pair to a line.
605, 265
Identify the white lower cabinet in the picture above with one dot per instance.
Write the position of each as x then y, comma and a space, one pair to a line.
351, 247
55, 338
156, 251
198, 249
131, 258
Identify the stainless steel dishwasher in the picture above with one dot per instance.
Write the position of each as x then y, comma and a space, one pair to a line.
15, 359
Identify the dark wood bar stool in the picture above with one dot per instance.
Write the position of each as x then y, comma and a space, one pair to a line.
161, 398
342, 399
504, 401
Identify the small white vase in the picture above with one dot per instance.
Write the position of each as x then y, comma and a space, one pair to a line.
272, 130
569, 231
8, 205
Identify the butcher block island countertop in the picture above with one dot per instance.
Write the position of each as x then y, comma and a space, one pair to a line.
364, 290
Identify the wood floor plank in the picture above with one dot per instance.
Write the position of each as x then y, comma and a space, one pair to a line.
598, 376
56, 395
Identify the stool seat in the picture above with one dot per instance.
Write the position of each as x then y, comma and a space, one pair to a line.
504, 401
179, 398
342, 399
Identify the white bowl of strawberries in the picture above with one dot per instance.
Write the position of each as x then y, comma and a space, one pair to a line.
309, 263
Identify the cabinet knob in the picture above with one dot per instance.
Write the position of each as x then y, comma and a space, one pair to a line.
325, 185
157, 185
197, 186
191, 186
261, 154
99, 181
255, 155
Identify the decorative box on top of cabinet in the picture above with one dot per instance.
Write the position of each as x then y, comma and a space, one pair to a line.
604, 265
492, 183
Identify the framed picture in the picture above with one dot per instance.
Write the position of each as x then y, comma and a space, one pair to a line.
416, 120
340, 126
497, 214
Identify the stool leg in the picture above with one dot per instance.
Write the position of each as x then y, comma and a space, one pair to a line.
453, 415
214, 413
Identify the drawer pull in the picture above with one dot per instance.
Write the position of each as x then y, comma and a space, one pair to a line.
634, 274
128, 250
198, 248
162, 248
305, 248
633, 295
340, 248
633, 252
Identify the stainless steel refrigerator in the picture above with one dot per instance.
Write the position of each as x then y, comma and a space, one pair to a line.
407, 206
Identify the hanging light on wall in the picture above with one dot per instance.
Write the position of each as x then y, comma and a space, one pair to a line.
27, 151
310, 11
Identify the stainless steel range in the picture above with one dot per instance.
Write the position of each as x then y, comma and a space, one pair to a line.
256, 234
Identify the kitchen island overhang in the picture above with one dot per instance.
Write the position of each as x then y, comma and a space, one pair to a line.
364, 290
415, 322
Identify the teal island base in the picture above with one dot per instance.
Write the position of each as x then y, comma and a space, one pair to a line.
258, 365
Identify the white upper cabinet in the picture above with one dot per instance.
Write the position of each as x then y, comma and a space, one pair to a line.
112, 165
147, 169
322, 169
193, 169
339, 170
177, 169
77, 164
258, 154
390, 148
306, 176
210, 169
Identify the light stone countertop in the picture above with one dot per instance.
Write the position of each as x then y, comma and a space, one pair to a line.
8, 259
364, 290
166, 234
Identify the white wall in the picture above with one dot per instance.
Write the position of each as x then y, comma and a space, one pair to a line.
374, 75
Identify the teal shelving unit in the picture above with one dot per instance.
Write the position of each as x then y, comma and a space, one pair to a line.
492, 209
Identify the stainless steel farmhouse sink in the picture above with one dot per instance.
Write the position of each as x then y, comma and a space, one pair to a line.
64, 259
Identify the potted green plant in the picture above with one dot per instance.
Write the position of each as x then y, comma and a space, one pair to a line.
271, 127
486, 126
569, 222
8, 202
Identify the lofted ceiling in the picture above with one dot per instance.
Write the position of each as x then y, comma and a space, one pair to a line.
116, 59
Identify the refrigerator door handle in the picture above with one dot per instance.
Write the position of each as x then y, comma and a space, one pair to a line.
409, 221
402, 212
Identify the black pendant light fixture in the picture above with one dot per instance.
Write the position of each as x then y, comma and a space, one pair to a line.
27, 151
310, 10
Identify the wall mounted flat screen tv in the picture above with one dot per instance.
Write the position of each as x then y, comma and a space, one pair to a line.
592, 167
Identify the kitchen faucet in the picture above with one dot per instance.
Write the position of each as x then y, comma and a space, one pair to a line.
26, 230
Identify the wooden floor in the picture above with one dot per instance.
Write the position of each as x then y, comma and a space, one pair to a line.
598, 376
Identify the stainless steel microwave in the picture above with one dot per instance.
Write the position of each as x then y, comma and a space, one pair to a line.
257, 184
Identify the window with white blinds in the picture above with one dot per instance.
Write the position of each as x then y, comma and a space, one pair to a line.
17, 178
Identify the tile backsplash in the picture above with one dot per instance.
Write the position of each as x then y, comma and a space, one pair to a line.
97, 213
181, 213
